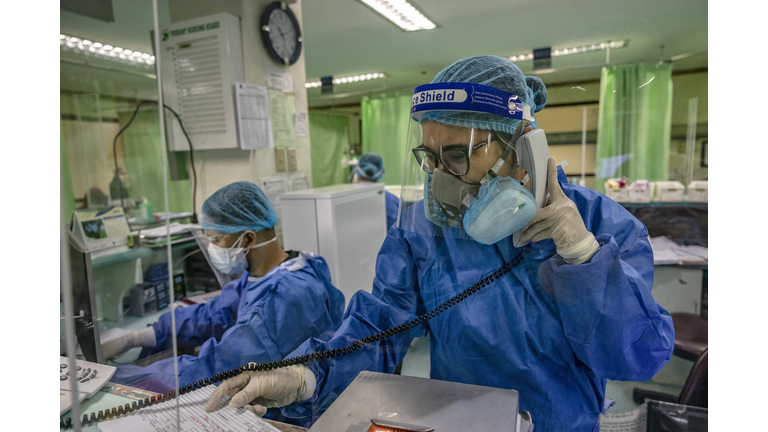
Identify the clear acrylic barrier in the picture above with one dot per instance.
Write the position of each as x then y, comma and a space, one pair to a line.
114, 284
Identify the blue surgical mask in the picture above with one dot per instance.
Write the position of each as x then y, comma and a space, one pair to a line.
503, 207
232, 261
487, 213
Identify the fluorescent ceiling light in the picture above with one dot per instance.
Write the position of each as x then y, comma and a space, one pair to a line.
559, 52
402, 13
347, 79
69, 43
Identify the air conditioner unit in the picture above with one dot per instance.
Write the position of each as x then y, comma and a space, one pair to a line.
201, 60
345, 224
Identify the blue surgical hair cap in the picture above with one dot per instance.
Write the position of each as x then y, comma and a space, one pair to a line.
370, 166
238, 207
496, 72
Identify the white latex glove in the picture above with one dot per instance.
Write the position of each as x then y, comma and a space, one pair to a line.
127, 339
257, 391
561, 221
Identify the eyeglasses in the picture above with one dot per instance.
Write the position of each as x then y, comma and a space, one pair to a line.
217, 238
455, 160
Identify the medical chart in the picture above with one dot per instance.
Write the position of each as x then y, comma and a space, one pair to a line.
192, 417
253, 123
273, 187
282, 113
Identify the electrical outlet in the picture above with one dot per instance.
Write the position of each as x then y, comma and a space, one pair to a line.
292, 163
280, 159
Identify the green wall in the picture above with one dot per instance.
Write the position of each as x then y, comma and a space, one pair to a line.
143, 163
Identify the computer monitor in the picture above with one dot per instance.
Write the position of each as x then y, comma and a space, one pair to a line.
86, 326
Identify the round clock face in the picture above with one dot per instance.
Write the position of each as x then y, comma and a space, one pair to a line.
281, 34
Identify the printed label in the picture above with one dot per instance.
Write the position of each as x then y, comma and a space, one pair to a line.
430, 96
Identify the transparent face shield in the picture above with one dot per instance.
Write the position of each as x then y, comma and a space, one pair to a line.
204, 241
450, 168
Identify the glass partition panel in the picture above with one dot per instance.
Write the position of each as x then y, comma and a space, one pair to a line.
118, 244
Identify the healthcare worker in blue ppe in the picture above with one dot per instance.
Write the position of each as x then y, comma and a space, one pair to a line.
281, 299
574, 310
370, 168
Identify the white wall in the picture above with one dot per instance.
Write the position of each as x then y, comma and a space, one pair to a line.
217, 168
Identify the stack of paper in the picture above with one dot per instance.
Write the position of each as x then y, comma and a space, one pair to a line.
666, 251
158, 236
192, 417
632, 421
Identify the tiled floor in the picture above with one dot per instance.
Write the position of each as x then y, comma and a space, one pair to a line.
669, 379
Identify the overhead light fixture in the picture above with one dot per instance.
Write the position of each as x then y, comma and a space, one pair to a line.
88, 47
402, 13
559, 52
347, 79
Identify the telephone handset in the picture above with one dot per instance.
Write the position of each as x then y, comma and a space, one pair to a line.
533, 151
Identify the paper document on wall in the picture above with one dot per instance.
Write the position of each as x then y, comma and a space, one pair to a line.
162, 417
631, 421
302, 128
273, 187
280, 80
254, 130
282, 112
298, 182
666, 251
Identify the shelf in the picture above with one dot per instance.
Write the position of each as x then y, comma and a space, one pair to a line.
139, 252
687, 265
665, 204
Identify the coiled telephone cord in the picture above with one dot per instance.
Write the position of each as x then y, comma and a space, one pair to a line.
154, 400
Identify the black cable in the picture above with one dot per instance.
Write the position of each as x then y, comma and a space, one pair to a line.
191, 162
191, 155
453, 301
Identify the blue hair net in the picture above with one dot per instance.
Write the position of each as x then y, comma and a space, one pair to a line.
495, 72
238, 207
370, 166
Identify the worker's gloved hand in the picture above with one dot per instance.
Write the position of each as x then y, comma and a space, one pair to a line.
257, 391
560, 220
124, 340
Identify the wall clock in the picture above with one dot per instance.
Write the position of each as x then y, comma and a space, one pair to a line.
281, 34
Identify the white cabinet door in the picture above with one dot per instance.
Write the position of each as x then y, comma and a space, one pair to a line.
678, 289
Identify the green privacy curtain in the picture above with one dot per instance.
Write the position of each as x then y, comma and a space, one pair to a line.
385, 129
634, 123
329, 138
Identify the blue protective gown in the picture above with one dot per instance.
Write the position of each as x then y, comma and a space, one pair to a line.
253, 320
553, 331
393, 203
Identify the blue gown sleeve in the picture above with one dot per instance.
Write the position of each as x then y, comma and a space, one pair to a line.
395, 300
197, 323
275, 320
614, 326
392, 205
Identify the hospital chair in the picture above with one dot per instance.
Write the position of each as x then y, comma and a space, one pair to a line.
694, 392
691, 343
